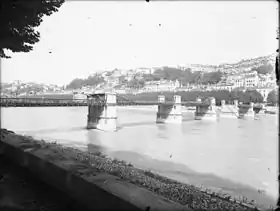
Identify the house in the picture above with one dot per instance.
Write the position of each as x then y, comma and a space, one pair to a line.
129, 75
144, 71
157, 86
112, 81
251, 81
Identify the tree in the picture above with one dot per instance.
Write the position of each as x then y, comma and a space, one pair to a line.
18, 20
264, 69
136, 83
122, 79
76, 83
272, 97
212, 77
93, 80
89, 81
185, 76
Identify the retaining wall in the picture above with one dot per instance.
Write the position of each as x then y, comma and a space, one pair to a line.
96, 190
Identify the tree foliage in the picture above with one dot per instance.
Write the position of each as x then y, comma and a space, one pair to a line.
89, 81
272, 97
264, 69
184, 76
136, 83
18, 20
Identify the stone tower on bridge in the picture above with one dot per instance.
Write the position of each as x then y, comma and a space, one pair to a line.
169, 112
102, 112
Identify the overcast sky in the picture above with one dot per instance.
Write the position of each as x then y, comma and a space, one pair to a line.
85, 37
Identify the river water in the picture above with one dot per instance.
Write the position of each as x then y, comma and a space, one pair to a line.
239, 156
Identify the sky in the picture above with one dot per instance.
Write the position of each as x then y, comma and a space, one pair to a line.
85, 37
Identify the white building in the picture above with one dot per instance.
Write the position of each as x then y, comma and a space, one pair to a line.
144, 71
158, 86
112, 81
251, 81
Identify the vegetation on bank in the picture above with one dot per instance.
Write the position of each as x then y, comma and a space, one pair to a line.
197, 198
245, 97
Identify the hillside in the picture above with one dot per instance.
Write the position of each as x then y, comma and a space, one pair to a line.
248, 64
135, 78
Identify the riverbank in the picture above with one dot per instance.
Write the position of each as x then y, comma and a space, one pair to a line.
90, 166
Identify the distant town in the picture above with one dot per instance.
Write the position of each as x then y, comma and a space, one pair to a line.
250, 74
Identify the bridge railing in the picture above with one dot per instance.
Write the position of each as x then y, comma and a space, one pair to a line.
40, 101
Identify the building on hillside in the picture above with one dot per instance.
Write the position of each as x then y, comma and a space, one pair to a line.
231, 78
117, 73
266, 80
239, 82
120, 91
251, 73
104, 74
227, 86
248, 79
129, 76
138, 77
144, 71
112, 81
160, 86
251, 81
262, 82
208, 69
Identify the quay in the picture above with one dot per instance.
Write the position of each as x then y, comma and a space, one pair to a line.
99, 183
93, 188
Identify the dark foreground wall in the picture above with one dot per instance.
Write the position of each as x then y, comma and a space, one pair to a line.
20, 190
95, 190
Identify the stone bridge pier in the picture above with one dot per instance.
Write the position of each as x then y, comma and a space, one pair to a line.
169, 112
206, 110
235, 103
102, 112
246, 111
228, 111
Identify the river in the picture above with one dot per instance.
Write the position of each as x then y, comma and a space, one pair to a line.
236, 155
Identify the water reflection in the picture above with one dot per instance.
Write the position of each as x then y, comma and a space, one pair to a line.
93, 137
162, 131
52, 130
135, 124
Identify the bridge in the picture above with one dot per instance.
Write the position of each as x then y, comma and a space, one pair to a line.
102, 108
